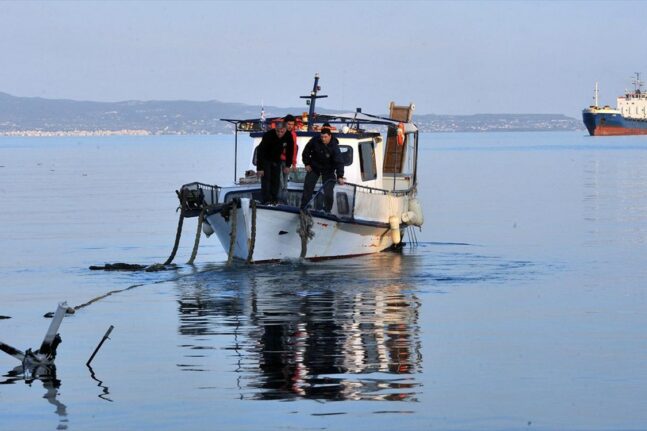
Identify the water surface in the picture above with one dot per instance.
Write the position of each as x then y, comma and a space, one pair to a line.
523, 306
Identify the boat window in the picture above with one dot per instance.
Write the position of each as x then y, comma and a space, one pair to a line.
346, 154
367, 160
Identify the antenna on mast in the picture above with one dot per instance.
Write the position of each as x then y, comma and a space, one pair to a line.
312, 98
637, 83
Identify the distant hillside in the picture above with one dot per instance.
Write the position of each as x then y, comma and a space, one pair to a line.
19, 115
497, 122
156, 117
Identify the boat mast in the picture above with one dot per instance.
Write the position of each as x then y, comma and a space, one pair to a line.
311, 101
637, 83
595, 94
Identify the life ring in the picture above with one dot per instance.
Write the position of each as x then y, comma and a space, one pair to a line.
400, 134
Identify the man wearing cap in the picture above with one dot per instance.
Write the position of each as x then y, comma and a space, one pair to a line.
322, 158
272, 145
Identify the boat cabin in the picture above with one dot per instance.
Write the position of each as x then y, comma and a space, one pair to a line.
369, 160
378, 153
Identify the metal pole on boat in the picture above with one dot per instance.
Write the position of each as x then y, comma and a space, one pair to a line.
415, 158
312, 98
595, 97
311, 113
235, 151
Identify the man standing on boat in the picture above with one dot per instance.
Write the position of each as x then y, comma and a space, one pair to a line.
287, 159
273, 144
322, 158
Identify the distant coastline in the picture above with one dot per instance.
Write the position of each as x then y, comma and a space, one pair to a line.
61, 133
33, 116
497, 123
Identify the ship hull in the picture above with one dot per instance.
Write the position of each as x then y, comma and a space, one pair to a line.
612, 124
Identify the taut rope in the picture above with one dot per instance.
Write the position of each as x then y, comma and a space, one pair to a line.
305, 231
252, 241
198, 233
232, 234
178, 234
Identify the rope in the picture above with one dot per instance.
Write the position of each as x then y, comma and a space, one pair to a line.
98, 298
305, 231
232, 234
178, 234
177, 239
196, 243
252, 241
320, 191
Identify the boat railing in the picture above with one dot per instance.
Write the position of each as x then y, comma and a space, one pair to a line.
196, 196
355, 201
350, 201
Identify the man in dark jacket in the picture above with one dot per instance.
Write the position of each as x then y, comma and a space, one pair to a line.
287, 159
268, 156
322, 158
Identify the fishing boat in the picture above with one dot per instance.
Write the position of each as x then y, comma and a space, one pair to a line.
370, 213
628, 118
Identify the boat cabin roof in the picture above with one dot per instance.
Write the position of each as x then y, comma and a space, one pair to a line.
338, 134
357, 124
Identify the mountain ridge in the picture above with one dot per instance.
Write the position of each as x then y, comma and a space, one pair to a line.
25, 115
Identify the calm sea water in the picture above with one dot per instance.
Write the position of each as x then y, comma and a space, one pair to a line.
523, 307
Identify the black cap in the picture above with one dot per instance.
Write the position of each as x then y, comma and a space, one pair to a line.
288, 117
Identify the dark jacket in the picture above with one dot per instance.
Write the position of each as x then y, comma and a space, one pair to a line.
271, 147
322, 158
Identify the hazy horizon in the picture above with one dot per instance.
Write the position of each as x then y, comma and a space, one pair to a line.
304, 108
454, 58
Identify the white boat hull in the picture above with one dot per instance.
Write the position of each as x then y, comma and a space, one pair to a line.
276, 235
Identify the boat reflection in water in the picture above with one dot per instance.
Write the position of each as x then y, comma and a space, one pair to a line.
325, 331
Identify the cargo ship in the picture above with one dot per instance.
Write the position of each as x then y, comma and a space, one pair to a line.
628, 118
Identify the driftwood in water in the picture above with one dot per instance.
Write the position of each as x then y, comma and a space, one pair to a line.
105, 337
70, 310
46, 354
12, 351
119, 266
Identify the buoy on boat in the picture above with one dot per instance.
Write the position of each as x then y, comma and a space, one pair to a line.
394, 222
414, 215
400, 134
207, 229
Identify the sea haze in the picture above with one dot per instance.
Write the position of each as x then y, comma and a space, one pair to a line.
522, 306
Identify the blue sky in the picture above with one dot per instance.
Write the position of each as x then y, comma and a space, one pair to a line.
447, 57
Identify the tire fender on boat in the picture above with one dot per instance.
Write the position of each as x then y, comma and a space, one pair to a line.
414, 214
394, 224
